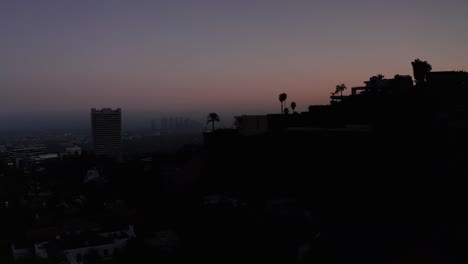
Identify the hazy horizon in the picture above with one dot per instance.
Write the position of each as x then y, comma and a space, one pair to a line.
210, 56
66, 120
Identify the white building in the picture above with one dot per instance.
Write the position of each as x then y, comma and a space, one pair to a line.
26, 151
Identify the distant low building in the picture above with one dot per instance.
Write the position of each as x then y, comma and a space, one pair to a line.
44, 157
175, 125
21, 153
26, 151
73, 151
74, 248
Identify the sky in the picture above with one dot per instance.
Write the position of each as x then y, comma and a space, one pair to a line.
59, 56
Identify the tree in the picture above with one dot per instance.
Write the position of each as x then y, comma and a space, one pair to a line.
282, 99
213, 117
293, 107
285, 97
286, 111
420, 70
340, 89
380, 76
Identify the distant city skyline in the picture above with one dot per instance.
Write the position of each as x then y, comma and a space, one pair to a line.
79, 120
205, 56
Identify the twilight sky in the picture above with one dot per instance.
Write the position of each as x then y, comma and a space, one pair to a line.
219, 55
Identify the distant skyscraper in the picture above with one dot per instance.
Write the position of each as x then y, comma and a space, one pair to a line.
107, 132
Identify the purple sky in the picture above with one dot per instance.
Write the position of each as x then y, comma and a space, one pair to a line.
218, 55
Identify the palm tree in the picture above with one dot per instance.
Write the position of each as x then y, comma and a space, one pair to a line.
339, 89
285, 97
212, 117
282, 99
293, 106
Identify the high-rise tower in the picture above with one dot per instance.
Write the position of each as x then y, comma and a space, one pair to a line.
106, 127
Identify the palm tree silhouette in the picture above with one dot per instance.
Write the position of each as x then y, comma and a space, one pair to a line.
340, 89
212, 117
293, 106
282, 99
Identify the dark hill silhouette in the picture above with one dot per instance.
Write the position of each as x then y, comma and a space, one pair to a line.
380, 172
